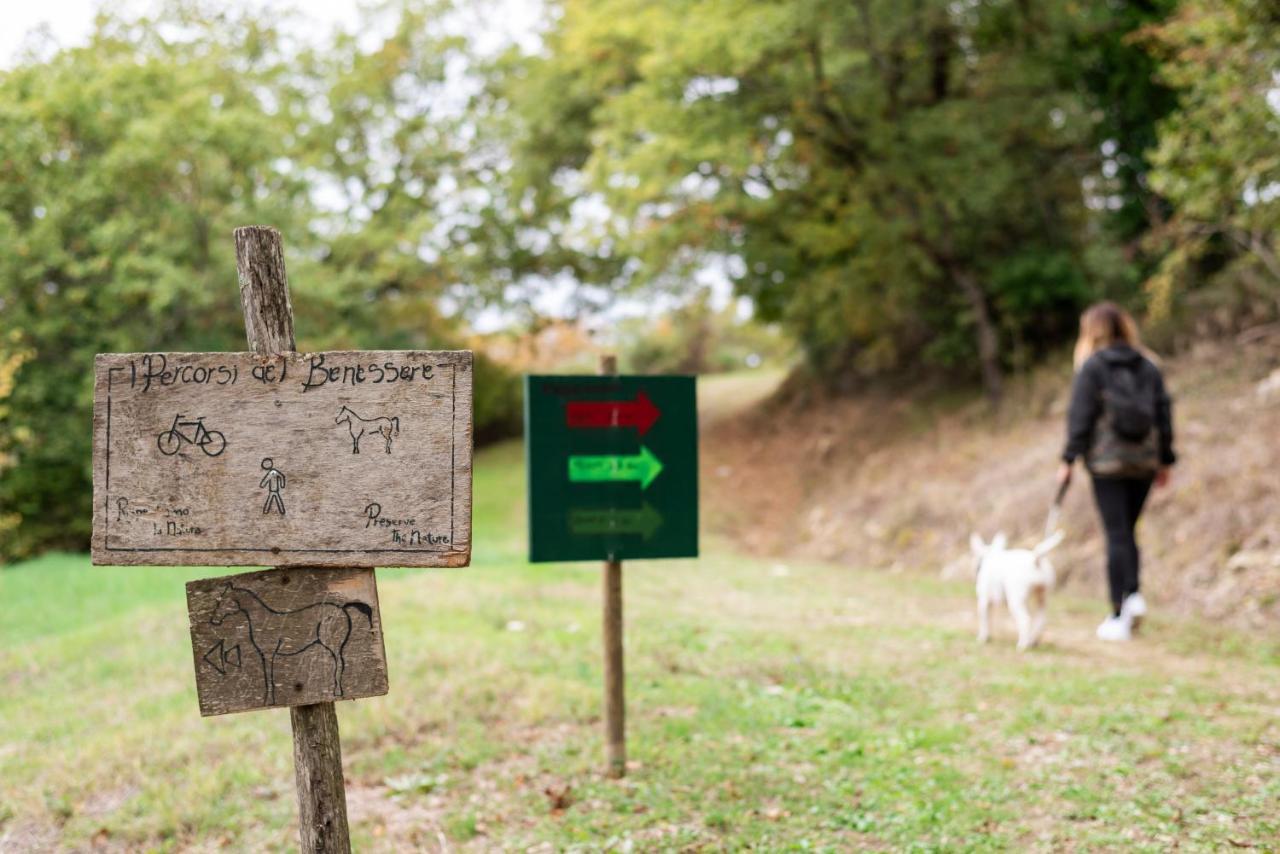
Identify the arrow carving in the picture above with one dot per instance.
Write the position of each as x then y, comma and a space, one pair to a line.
219, 657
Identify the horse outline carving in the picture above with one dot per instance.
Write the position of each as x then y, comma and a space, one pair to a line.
386, 426
277, 633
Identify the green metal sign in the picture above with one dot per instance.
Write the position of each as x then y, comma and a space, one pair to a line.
613, 467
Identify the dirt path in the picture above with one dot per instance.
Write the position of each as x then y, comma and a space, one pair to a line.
1166, 645
898, 482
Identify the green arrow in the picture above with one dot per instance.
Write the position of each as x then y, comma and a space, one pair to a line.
643, 467
644, 521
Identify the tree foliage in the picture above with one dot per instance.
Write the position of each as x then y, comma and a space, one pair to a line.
698, 338
1129, 99
895, 182
1218, 160
927, 185
124, 167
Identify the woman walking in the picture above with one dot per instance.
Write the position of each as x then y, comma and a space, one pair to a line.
1120, 422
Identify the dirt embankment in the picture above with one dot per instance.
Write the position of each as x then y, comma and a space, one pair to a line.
894, 482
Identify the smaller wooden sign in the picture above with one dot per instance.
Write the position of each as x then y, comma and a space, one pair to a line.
287, 637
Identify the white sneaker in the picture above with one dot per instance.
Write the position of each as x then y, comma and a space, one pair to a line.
1114, 629
1134, 608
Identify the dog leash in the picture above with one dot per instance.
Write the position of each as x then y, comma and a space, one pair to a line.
1051, 522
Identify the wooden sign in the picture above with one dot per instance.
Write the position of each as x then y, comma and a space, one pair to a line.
297, 459
286, 638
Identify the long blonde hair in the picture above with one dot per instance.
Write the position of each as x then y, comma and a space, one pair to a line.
1104, 324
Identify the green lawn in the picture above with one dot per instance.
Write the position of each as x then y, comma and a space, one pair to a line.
798, 706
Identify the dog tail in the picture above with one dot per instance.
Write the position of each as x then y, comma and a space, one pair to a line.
363, 609
1049, 544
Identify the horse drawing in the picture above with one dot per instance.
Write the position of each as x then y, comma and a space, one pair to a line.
274, 633
386, 427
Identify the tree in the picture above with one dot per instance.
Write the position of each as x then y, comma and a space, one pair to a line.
124, 167
1122, 83
1218, 157
698, 338
894, 182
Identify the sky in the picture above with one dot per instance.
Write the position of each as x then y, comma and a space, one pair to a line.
69, 21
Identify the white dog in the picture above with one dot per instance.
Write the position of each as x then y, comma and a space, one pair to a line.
1021, 577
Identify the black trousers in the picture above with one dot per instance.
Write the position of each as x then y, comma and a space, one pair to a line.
1120, 501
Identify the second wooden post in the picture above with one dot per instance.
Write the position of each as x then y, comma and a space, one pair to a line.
615, 702
613, 475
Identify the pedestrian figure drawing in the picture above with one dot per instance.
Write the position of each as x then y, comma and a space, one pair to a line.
275, 633
273, 483
387, 427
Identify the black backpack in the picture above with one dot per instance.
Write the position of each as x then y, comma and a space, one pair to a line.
1129, 400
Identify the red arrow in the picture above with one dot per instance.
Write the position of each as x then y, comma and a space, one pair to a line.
639, 413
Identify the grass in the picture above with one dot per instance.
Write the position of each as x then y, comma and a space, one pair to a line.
780, 707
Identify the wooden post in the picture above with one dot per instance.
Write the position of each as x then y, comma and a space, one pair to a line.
317, 768
317, 751
615, 704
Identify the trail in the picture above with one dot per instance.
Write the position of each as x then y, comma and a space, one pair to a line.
896, 479
1166, 644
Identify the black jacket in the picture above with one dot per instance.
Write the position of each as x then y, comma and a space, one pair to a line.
1086, 400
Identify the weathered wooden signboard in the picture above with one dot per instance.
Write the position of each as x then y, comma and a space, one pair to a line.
286, 638
296, 459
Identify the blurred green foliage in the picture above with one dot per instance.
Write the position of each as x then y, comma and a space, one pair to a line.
698, 338
124, 167
928, 185
934, 185
1218, 165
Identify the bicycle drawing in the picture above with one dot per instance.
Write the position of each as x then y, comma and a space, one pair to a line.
191, 432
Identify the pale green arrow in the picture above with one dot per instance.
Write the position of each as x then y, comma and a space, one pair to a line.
644, 521
643, 467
